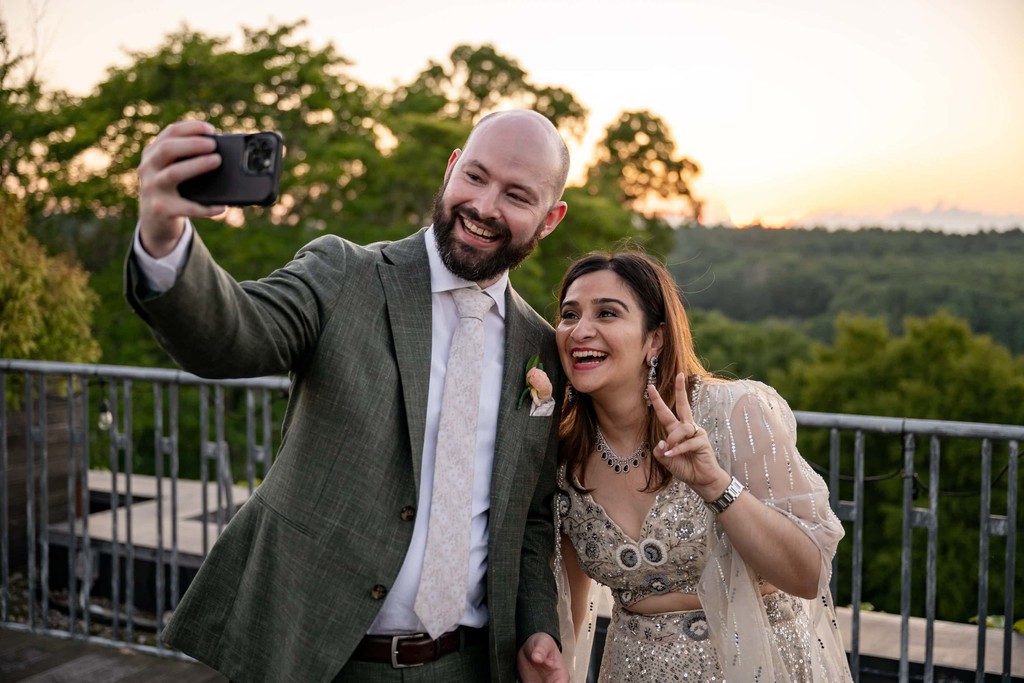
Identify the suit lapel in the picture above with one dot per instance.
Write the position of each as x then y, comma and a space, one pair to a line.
511, 421
405, 277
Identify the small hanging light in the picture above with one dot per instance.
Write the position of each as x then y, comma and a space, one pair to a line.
106, 417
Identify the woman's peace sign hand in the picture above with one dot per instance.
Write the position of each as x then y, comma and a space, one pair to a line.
686, 450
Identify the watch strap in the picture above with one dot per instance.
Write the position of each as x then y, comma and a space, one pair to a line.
731, 493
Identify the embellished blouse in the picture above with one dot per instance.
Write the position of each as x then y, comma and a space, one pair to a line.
668, 557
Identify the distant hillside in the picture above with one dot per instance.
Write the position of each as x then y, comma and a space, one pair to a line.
808, 276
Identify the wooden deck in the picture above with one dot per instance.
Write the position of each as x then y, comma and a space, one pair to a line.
37, 658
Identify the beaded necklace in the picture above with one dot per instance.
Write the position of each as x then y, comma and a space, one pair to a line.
616, 462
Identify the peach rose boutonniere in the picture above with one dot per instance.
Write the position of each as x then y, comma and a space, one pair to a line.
538, 388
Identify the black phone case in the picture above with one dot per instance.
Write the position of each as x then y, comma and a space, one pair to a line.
249, 174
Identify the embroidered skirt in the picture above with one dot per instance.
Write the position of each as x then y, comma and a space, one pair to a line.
675, 646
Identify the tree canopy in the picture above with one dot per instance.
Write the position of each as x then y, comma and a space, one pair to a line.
808, 277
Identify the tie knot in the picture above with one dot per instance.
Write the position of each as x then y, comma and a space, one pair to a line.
472, 302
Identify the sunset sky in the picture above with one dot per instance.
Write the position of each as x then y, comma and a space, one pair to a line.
798, 111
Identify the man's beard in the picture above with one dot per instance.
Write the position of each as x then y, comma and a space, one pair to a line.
467, 262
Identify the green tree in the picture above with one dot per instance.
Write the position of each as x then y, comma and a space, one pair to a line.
936, 370
274, 81
747, 350
45, 302
810, 276
29, 116
480, 80
636, 162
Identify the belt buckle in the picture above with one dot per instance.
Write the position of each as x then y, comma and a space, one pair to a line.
394, 651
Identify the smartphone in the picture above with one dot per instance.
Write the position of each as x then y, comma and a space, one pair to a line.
249, 173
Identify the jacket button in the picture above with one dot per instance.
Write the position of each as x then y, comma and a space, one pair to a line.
378, 592
408, 513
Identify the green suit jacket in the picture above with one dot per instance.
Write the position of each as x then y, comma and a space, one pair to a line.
297, 577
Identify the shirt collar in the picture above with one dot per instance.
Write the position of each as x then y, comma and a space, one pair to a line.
444, 280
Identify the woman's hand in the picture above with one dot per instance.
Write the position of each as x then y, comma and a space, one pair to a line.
686, 450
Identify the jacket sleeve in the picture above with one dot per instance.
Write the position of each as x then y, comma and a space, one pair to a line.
216, 327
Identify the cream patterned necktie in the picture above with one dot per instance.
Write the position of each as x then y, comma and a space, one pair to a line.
441, 597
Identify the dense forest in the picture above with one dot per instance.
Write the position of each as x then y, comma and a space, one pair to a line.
913, 324
808, 277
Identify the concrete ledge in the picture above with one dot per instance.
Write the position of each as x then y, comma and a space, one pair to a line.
955, 645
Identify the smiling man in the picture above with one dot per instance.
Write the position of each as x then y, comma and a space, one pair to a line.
329, 572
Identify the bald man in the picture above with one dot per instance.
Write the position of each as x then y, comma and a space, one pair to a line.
316, 577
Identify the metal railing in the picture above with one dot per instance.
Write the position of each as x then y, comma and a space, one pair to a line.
134, 527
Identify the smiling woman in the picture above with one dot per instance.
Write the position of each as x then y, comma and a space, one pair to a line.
686, 496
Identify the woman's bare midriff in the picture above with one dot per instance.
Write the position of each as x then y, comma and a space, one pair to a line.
678, 602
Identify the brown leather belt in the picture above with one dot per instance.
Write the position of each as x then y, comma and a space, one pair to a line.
416, 649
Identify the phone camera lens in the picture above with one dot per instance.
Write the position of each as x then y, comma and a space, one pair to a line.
259, 155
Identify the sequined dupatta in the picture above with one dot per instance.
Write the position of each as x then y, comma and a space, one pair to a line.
754, 433
575, 651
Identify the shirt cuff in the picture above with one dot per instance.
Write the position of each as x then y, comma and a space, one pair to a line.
162, 273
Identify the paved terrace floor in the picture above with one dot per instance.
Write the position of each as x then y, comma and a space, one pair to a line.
37, 658
34, 658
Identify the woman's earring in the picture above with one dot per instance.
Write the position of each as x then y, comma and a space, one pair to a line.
652, 377
570, 396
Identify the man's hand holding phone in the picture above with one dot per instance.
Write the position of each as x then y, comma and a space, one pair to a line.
189, 171
180, 151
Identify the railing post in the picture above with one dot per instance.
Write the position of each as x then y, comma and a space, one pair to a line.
5, 558
85, 569
175, 589
115, 503
159, 446
74, 439
30, 511
907, 552
39, 435
225, 494
1011, 557
983, 543
204, 456
126, 449
932, 561
858, 551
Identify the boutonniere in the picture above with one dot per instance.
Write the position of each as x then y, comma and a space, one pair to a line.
538, 387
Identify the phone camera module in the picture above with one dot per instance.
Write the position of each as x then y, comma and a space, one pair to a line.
259, 155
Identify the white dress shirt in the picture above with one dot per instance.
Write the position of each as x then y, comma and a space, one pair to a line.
396, 615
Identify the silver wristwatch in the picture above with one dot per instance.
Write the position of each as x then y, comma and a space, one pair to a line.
732, 492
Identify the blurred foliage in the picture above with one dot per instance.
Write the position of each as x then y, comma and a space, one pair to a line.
45, 302
734, 349
46, 306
